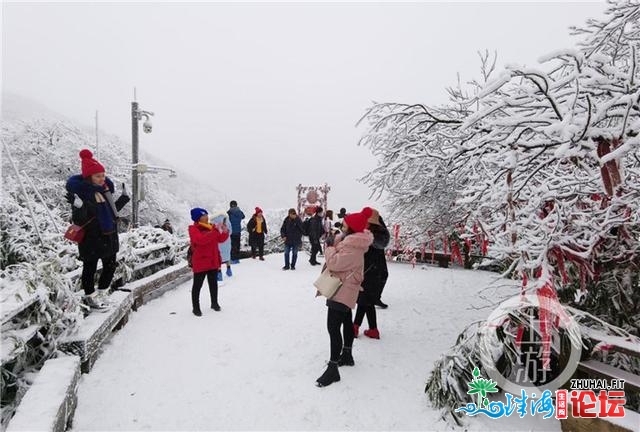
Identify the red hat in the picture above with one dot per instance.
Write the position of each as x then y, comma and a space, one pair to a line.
358, 221
90, 166
258, 210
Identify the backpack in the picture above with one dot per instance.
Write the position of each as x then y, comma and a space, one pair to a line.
306, 226
189, 256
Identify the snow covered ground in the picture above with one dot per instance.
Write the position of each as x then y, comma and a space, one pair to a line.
253, 365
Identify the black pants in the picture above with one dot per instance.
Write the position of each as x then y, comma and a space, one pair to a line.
257, 244
335, 319
383, 280
198, 281
89, 273
315, 248
370, 310
235, 246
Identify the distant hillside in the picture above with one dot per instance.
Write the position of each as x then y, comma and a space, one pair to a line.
45, 145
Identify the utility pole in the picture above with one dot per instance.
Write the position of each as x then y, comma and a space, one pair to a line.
136, 115
134, 163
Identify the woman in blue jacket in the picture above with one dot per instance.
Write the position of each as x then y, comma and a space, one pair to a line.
93, 208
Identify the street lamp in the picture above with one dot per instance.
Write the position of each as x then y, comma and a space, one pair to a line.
137, 115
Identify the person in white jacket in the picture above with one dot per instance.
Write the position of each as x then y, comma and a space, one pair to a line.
225, 247
327, 225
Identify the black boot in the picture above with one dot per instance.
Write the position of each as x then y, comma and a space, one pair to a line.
213, 292
329, 376
346, 359
379, 303
195, 302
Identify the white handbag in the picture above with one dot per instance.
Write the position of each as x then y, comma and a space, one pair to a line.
327, 284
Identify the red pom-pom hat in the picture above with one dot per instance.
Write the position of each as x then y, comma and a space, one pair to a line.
90, 166
358, 221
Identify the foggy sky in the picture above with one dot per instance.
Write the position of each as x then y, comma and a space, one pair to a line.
257, 98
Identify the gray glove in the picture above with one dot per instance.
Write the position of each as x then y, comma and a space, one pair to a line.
77, 202
124, 190
330, 240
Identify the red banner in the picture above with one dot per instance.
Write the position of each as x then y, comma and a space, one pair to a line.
396, 236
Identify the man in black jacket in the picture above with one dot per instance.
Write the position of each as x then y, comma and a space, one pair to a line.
291, 233
381, 241
316, 231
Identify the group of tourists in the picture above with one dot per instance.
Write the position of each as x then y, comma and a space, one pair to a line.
353, 250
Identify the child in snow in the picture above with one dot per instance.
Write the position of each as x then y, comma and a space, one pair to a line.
257, 227
345, 260
93, 208
205, 261
375, 277
225, 246
166, 226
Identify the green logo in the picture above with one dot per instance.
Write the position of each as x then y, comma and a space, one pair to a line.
481, 387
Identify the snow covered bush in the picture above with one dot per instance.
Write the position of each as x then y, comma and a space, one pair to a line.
444, 388
544, 161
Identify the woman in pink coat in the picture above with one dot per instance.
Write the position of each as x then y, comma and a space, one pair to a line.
345, 260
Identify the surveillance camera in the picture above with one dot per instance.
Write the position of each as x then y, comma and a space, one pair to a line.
147, 126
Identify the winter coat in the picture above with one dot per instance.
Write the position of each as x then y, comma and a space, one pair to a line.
292, 230
316, 228
345, 260
204, 246
327, 225
98, 242
235, 217
375, 266
225, 246
251, 227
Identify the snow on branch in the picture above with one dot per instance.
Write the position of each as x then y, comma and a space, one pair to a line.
544, 158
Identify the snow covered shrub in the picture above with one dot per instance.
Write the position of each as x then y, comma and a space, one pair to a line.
144, 245
273, 243
447, 385
57, 310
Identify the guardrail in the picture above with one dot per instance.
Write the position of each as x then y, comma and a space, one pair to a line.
20, 338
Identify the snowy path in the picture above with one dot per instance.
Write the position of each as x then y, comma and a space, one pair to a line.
253, 365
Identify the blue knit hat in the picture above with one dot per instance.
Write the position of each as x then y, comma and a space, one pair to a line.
197, 213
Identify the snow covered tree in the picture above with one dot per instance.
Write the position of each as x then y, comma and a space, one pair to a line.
545, 160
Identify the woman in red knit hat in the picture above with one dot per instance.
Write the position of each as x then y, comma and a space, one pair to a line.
345, 260
375, 277
93, 207
257, 227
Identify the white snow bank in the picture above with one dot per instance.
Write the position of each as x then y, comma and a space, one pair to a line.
51, 392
